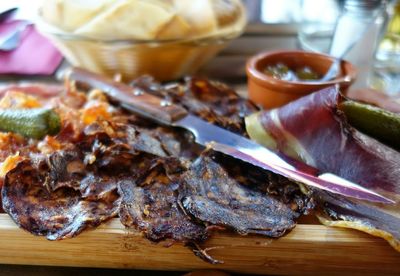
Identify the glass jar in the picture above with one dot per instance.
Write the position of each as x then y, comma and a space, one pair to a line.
357, 33
385, 76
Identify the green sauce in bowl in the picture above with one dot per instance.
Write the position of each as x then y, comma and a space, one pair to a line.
283, 72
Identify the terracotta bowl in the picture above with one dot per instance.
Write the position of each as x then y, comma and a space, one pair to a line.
271, 92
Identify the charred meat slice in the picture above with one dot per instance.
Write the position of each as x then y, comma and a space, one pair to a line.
178, 143
150, 204
213, 101
55, 214
219, 194
65, 169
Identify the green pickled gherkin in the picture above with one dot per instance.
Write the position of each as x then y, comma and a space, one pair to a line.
381, 124
31, 123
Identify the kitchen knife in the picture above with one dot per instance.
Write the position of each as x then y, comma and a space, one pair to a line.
166, 113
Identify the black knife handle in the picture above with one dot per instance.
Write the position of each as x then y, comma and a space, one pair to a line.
132, 99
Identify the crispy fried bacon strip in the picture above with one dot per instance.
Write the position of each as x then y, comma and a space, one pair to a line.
315, 130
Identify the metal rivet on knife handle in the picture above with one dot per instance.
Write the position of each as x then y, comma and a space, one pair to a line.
138, 92
164, 103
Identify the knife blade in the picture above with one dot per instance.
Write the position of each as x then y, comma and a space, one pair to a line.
219, 139
5, 14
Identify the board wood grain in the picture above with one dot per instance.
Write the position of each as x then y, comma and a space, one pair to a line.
308, 249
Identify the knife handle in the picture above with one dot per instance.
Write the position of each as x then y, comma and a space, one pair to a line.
132, 99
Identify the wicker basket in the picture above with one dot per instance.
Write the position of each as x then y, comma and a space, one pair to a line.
164, 60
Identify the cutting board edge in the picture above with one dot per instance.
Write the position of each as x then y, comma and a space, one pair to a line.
306, 250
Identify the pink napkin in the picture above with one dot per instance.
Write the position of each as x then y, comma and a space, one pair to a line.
35, 55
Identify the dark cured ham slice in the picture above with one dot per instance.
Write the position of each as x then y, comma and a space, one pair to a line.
314, 130
212, 101
317, 131
224, 192
59, 213
150, 205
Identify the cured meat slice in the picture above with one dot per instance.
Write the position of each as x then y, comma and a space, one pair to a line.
377, 221
315, 130
38, 89
178, 143
224, 192
55, 212
150, 204
210, 100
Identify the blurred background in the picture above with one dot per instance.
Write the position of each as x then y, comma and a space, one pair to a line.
310, 25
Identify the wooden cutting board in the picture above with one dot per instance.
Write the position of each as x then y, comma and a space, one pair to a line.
308, 249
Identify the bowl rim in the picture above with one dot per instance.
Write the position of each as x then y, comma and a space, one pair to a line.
264, 79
